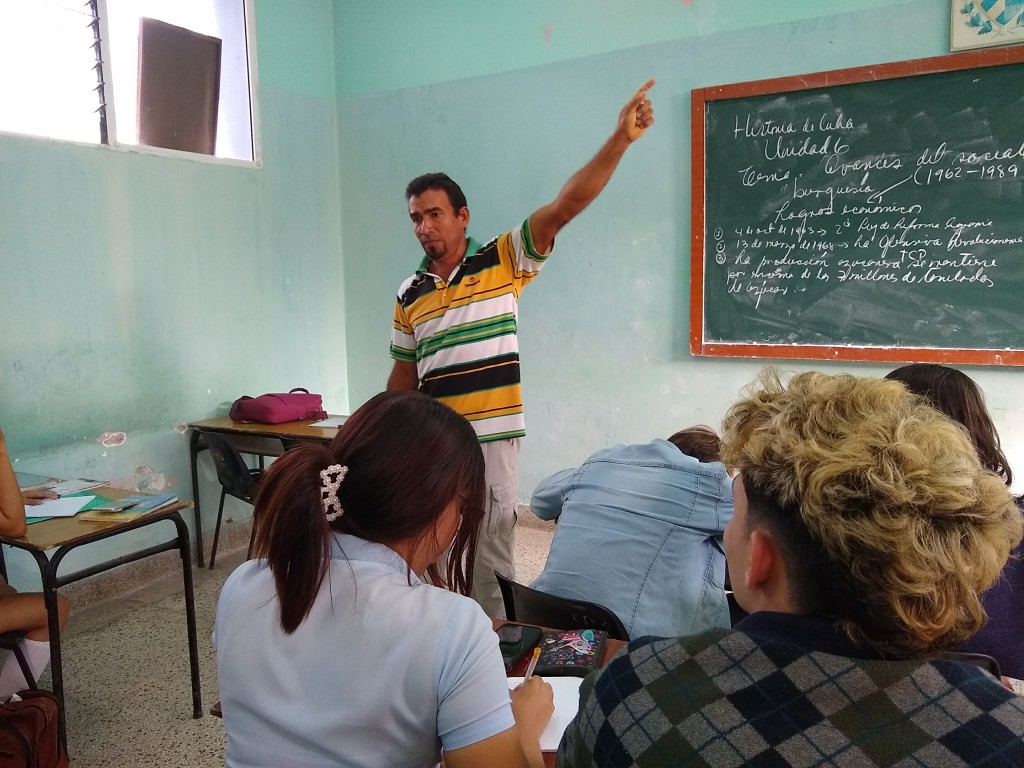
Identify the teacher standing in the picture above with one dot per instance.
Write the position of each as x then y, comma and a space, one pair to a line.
456, 319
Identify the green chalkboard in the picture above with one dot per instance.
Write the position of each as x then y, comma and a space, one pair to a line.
875, 213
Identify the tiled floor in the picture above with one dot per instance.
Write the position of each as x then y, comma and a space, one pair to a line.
126, 666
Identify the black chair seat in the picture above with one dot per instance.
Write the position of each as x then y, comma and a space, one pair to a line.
531, 606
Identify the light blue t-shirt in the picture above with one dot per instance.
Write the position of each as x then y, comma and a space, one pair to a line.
640, 531
381, 672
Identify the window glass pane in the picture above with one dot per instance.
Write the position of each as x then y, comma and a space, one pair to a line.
223, 19
48, 60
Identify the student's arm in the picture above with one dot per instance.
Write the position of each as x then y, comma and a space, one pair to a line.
12, 508
634, 120
519, 746
549, 495
403, 376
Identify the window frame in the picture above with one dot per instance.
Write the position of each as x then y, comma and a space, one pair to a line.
106, 69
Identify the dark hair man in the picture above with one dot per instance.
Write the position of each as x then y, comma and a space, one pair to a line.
454, 335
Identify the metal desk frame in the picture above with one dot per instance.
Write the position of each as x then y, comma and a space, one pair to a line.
288, 431
49, 541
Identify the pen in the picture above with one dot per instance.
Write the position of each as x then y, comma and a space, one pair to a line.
532, 665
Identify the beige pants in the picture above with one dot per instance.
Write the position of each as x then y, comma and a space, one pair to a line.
496, 542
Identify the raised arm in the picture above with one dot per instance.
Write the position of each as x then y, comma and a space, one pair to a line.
634, 120
12, 508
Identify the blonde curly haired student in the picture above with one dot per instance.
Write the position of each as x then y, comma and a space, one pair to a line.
864, 528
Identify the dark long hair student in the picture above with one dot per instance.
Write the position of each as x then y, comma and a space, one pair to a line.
958, 396
331, 649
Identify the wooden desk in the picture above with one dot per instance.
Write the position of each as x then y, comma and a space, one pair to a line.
238, 430
48, 541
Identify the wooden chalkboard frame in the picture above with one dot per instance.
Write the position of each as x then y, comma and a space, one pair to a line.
781, 85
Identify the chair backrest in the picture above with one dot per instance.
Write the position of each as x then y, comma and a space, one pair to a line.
232, 471
531, 606
981, 660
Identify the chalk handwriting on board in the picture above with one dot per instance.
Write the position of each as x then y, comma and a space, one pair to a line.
879, 213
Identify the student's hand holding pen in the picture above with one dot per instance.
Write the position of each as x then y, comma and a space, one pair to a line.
533, 703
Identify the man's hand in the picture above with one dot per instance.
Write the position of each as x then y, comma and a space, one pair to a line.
638, 114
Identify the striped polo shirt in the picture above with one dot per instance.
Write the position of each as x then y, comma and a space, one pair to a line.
462, 333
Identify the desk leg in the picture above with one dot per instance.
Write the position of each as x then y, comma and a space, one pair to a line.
48, 572
193, 450
190, 615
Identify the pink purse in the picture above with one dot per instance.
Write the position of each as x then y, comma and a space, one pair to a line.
274, 408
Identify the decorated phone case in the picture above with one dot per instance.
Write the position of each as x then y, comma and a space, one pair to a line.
575, 652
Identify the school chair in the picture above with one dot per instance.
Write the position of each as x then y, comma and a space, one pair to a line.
531, 606
236, 479
11, 641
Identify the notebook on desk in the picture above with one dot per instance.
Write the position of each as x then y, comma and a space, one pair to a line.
330, 421
129, 507
567, 704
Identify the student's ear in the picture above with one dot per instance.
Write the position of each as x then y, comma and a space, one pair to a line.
764, 558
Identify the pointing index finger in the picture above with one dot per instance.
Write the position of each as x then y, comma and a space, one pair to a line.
642, 90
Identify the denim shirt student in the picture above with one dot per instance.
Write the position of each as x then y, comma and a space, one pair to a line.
640, 531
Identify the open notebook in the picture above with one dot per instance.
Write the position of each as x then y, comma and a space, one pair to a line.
567, 703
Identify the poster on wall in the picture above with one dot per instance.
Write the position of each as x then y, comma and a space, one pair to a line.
984, 23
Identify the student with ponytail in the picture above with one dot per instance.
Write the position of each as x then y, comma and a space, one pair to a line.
332, 650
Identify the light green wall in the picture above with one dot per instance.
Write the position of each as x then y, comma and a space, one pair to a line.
141, 291
390, 44
604, 329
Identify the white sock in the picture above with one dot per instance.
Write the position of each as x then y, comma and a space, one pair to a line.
37, 654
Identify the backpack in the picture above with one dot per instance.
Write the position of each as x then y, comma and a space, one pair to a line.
29, 732
275, 408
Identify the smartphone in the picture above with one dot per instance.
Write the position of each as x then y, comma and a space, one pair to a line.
515, 641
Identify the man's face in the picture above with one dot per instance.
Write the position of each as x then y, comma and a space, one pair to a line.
440, 229
737, 541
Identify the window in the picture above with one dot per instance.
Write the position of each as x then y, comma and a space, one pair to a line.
77, 63
50, 81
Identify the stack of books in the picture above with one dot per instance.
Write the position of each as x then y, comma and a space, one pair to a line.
128, 508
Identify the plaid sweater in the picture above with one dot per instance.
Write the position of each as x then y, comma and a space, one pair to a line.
783, 690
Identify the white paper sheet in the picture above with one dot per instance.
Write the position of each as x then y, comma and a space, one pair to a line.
65, 506
330, 421
567, 704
